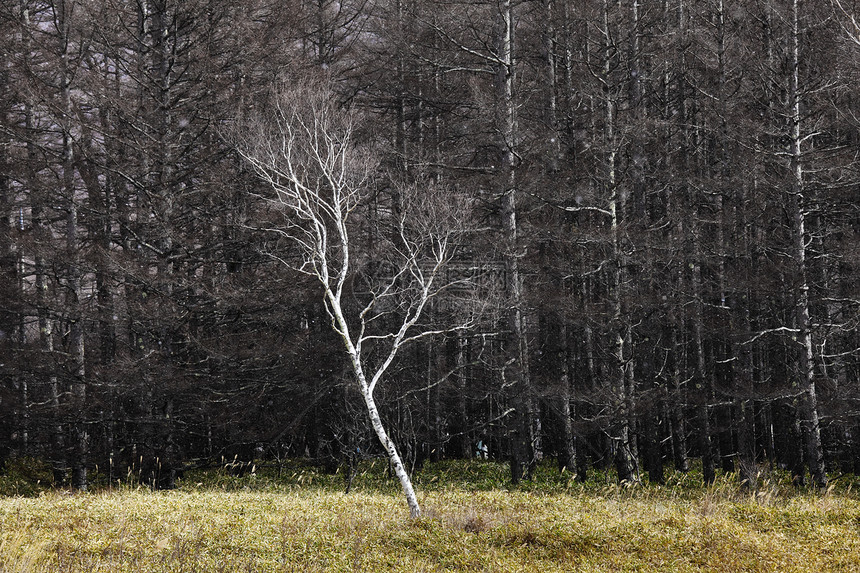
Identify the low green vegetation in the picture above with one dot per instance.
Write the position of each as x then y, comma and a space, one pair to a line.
295, 518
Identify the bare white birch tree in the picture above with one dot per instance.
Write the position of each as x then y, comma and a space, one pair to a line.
305, 151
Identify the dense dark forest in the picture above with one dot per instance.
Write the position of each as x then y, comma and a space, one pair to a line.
659, 259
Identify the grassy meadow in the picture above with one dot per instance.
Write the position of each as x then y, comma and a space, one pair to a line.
302, 521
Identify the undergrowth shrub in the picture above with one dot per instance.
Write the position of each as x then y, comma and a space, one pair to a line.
26, 476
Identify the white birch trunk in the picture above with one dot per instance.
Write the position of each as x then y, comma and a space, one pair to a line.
366, 388
318, 178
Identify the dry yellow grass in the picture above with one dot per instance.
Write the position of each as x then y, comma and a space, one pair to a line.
138, 530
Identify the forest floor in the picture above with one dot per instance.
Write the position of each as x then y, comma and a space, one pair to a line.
303, 521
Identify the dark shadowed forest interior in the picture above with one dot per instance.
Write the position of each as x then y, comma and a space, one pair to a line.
651, 216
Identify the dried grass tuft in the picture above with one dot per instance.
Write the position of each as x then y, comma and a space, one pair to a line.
594, 528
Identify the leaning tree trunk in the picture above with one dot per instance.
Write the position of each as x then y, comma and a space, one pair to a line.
393, 454
372, 411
